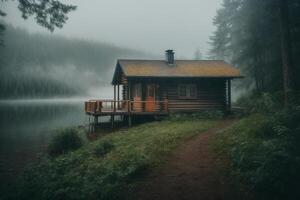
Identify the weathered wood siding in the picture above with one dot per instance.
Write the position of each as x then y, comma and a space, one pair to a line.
211, 94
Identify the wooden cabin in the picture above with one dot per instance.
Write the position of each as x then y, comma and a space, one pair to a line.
158, 87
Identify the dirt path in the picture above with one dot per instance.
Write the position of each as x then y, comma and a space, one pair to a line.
191, 173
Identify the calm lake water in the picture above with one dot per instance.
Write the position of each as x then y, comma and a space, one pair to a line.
27, 125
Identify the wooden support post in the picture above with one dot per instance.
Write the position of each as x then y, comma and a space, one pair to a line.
129, 120
129, 103
118, 92
90, 124
112, 121
129, 90
96, 120
229, 95
129, 97
114, 103
95, 123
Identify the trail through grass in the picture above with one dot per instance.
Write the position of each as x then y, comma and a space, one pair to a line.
103, 169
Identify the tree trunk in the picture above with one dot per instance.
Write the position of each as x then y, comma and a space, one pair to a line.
287, 69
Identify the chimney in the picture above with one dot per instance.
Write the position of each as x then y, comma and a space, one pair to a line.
170, 57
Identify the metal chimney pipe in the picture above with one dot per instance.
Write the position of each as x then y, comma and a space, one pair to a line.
170, 56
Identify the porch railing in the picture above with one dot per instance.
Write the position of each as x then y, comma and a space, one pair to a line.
126, 106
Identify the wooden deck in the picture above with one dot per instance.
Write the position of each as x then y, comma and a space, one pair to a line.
125, 107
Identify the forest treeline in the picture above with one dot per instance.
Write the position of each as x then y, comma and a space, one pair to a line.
262, 38
47, 65
248, 34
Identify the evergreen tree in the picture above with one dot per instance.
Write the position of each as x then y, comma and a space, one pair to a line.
248, 35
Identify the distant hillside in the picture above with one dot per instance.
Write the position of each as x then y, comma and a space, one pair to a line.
42, 65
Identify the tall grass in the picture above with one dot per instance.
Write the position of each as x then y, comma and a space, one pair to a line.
105, 168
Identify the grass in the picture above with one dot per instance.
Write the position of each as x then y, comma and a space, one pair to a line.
105, 168
264, 150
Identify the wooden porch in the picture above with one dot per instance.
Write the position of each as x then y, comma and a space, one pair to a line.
125, 107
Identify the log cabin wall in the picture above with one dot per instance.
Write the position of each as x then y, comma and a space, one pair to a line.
211, 93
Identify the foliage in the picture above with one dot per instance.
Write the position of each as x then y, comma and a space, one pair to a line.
47, 13
261, 102
50, 14
205, 114
106, 168
64, 141
103, 147
247, 35
265, 153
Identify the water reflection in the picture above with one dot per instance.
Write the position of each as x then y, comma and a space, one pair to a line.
26, 126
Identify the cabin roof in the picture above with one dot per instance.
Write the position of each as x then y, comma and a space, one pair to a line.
180, 69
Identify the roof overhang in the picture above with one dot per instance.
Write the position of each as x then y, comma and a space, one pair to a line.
119, 71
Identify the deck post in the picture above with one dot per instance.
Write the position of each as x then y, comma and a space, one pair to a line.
128, 95
129, 104
90, 124
112, 121
129, 120
118, 93
96, 120
114, 98
95, 123
229, 95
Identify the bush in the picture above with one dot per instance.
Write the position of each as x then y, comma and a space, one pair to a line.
260, 102
103, 147
209, 114
64, 141
265, 152
205, 114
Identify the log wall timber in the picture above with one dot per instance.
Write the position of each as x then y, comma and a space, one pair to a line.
124, 83
211, 94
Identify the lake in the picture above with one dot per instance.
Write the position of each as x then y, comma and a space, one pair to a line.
27, 125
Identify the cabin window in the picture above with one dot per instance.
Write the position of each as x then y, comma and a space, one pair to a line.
150, 91
188, 91
137, 90
182, 91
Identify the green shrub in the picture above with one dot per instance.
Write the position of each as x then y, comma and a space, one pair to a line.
64, 141
209, 114
260, 102
103, 147
205, 114
265, 153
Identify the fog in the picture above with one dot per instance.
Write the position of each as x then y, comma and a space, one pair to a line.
150, 26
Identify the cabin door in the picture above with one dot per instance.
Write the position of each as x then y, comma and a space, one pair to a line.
137, 97
150, 98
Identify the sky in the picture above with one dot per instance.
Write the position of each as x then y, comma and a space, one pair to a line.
147, 25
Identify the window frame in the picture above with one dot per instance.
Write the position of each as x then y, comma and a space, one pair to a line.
137, 90
188, 89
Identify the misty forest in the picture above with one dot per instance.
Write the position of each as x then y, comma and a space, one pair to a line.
36, 65
261, 38
131, 100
